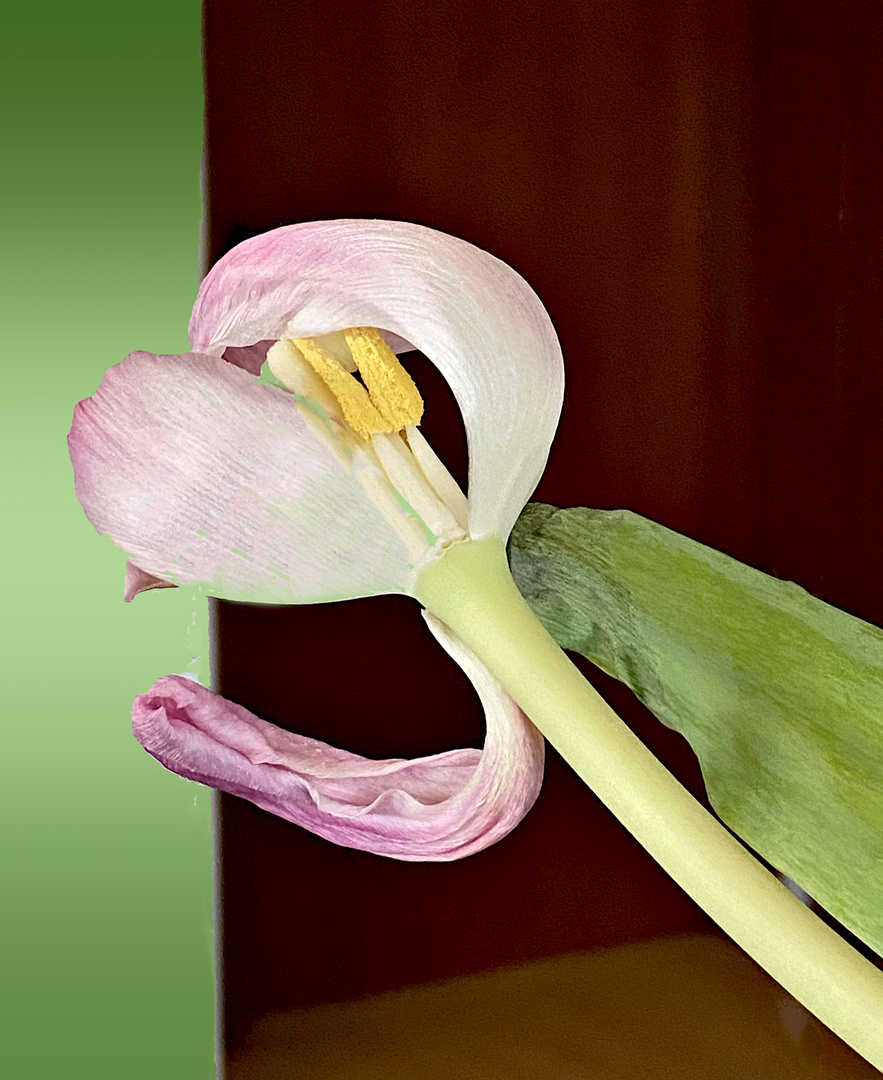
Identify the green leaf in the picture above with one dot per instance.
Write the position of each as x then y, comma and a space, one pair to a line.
779, 694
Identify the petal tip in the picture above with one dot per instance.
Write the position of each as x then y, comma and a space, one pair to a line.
139, 581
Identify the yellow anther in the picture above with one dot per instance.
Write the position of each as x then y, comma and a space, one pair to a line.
391, 401
358, 411
390, 387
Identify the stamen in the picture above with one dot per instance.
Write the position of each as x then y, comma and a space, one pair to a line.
358, 410
290, 368
406, 477
406, 526
335, 343
391, 388
375, 421
440, 480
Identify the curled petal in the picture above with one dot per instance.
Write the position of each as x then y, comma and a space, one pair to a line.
204, 475
437, 808
473, 316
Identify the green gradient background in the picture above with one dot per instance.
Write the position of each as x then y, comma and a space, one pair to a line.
105, 906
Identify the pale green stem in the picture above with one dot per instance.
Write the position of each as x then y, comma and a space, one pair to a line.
471, 590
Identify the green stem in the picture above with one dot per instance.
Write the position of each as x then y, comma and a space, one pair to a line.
471, 590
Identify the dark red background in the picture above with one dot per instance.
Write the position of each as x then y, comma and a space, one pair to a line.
693, 188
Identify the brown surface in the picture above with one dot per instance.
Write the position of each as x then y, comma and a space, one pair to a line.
677, 1008
692, 187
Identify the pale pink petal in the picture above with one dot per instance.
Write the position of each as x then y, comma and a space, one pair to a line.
435, 808
139, 581
203, 475
472, 315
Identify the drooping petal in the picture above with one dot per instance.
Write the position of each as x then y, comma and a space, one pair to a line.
436, 808
204, 475
472, 315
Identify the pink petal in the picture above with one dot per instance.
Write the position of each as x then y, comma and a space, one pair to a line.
472, 315
139, 581
204, 475
435, 808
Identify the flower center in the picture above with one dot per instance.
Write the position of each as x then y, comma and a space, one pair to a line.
388, 400
377, 416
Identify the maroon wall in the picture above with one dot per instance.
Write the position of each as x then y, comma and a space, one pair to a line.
693, 190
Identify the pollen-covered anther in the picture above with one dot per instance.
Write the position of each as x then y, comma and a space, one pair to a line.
405, 479
359, 411
391, 389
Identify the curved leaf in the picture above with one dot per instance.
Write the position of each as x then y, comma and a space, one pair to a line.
779, 694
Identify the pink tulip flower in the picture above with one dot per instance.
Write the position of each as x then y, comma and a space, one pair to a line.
205, 474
